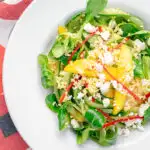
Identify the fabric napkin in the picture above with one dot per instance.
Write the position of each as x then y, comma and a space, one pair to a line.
10, 11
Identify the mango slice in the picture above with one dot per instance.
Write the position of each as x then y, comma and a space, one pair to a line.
62, 29
119, 102
125, 64
86, 67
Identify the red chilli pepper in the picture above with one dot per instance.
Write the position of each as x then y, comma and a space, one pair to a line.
119, 45
83, 42
105, 114
121, 120
65, 94
147, 95
93, 99
125, 88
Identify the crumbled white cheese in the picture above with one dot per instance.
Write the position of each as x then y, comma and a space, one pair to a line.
80, 95
142, 109
106, 102
117, 86
149, 100
75, 124
105, 87
114, 83
108, 58
130, 123
102, 76
105, 35
90, 28
124, 132
69, 97
99, 67
98, 84
140, 45
112, 24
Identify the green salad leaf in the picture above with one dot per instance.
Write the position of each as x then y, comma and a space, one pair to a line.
94, 7
139, 33
146, 66
82, 136
148, 51
63, 59
42, 60
138, 71
63, 118
52, 103
63, 44
95, 118
137, 21
147, 115
76, 22
75, 113
128, 28
47, 76
108, 136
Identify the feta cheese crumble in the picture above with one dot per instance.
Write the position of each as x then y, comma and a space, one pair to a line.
99, 67
69, 97
75, 124
102, 76
80, 95
105, 35
142, 109
90, 28
106, 102
108, 58
114, 83
140, 45
105, 87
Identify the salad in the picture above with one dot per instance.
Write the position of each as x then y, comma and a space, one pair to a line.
99, 70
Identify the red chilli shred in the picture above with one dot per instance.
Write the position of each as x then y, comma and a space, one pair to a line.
64, 94
83, 42
121, 120
125, 88
93, 99
105, 114
119, 45
147, 95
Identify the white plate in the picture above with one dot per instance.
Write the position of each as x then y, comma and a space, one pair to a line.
21, 78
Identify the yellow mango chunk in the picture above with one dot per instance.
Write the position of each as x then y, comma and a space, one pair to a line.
110, 93
125, 58
113, 72
80, 67
86, 67
125, 65
119, 102
62, 29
